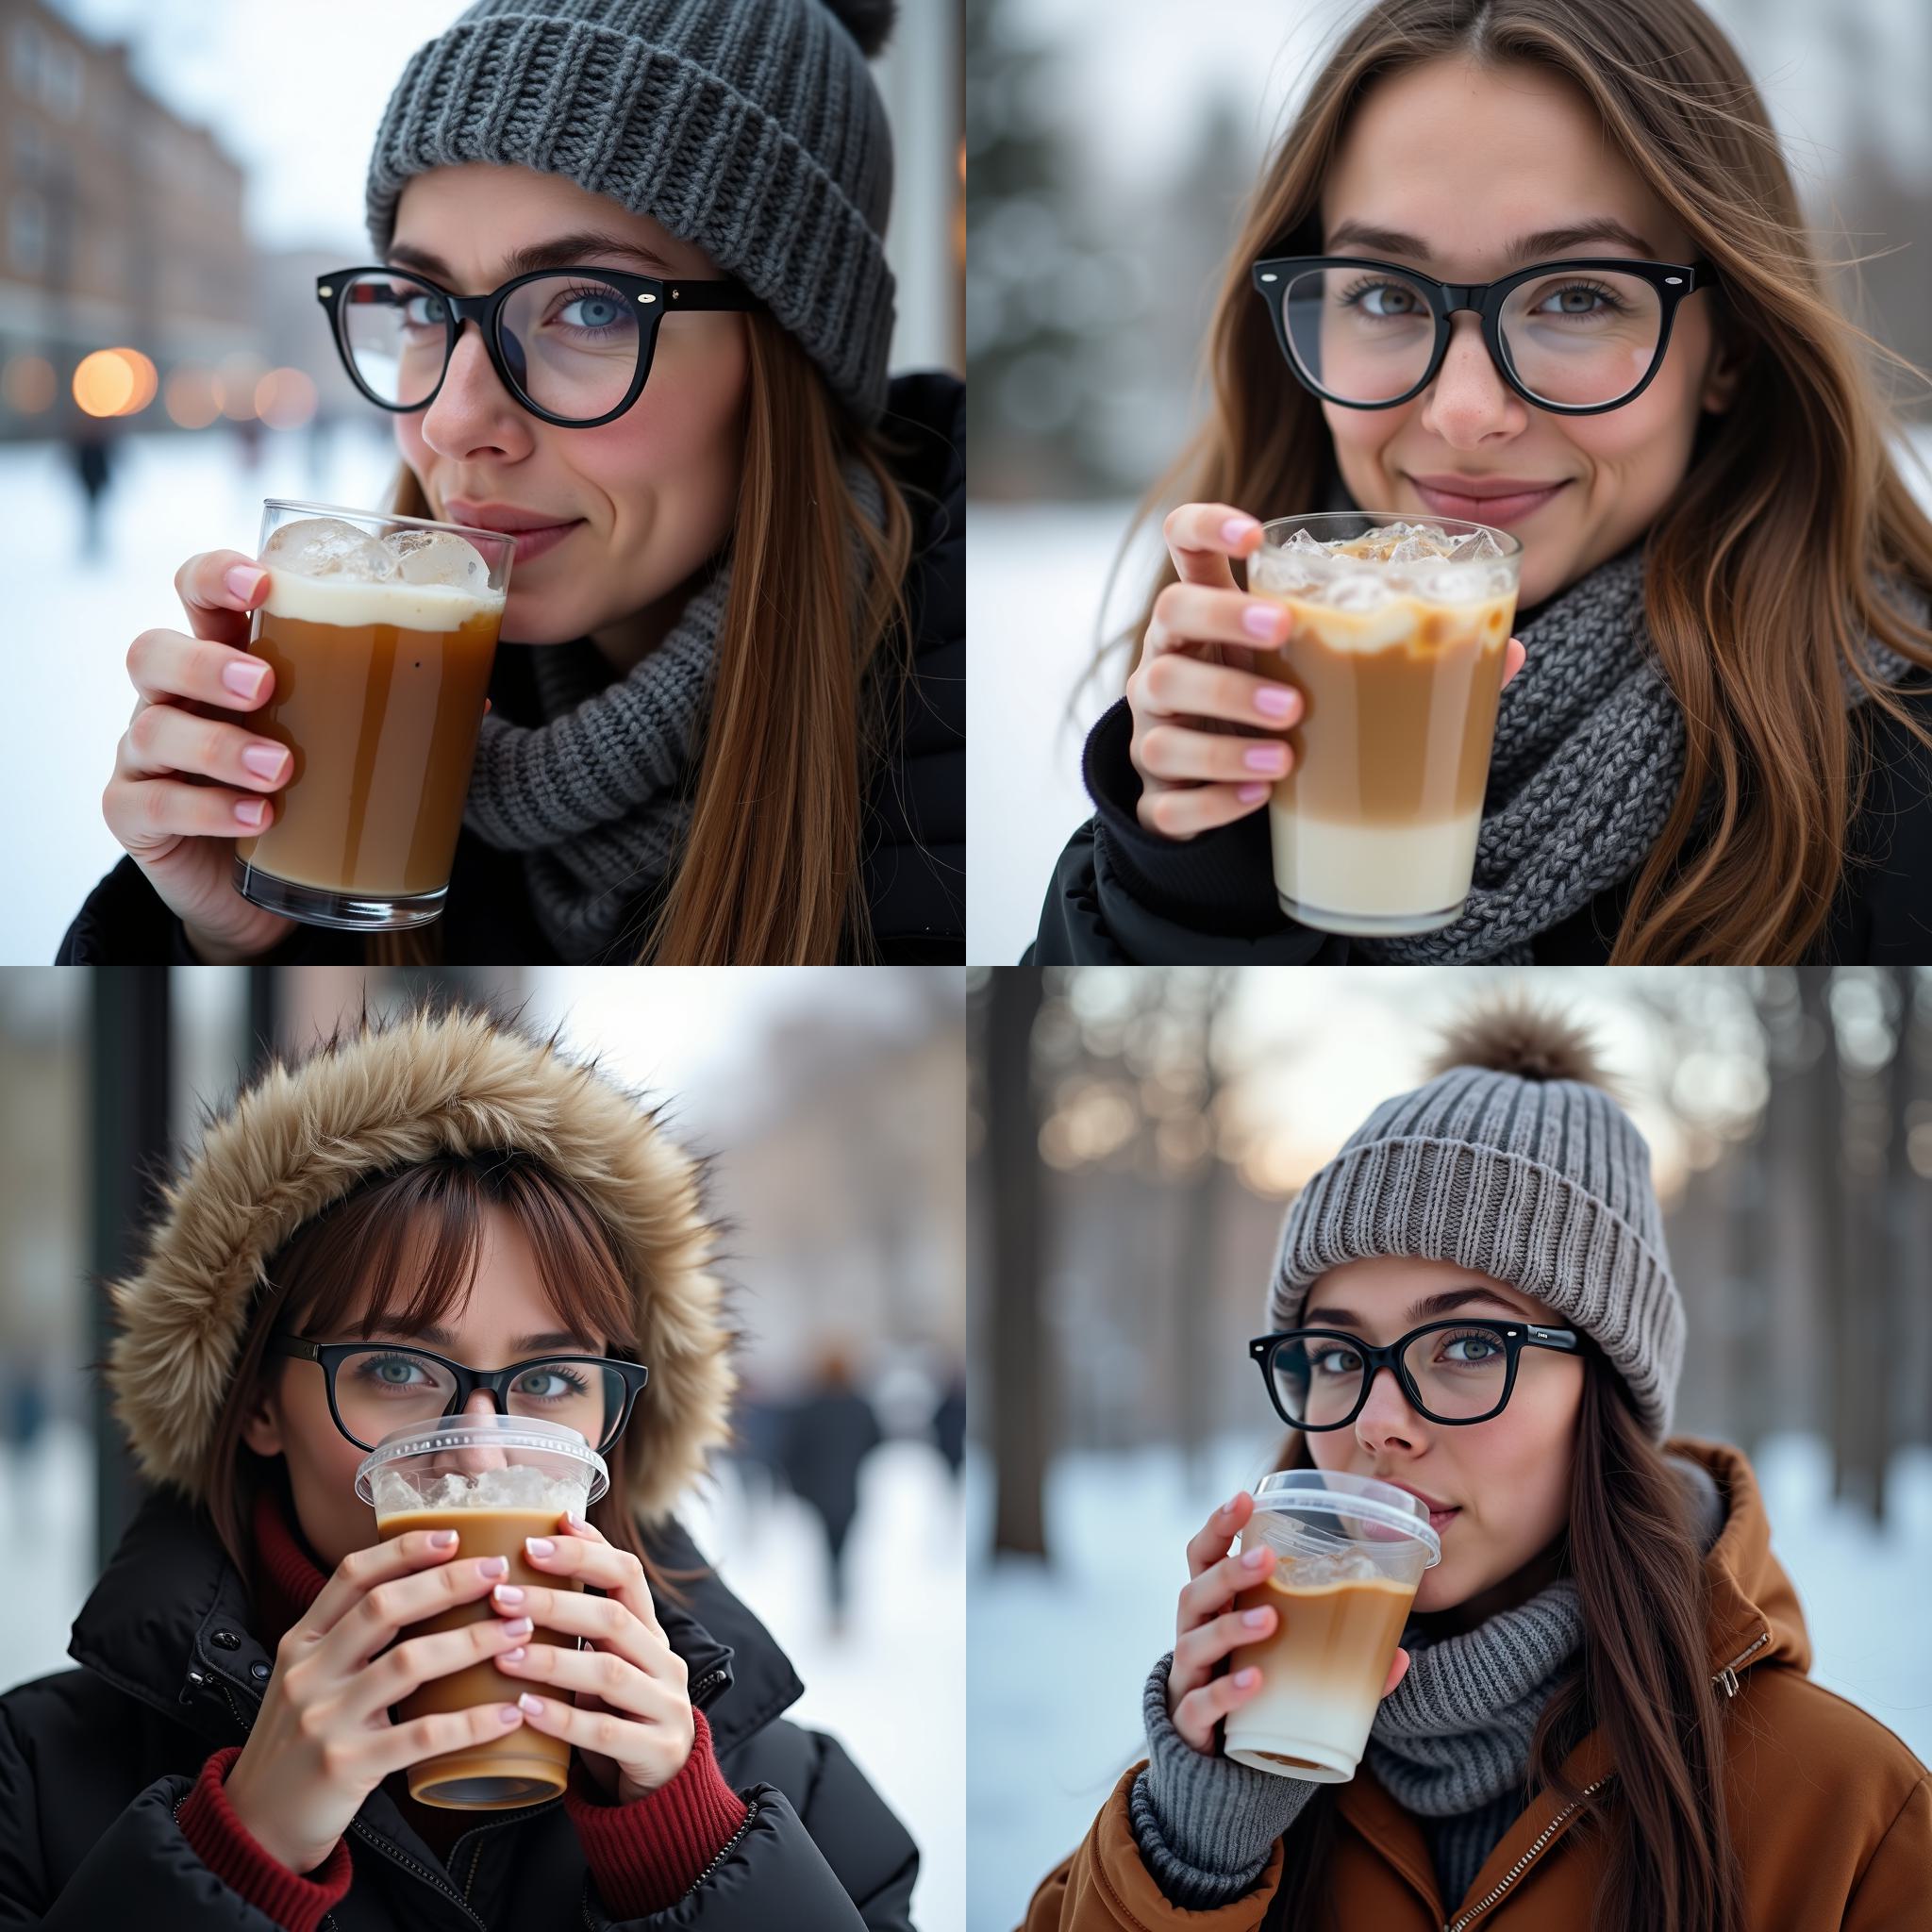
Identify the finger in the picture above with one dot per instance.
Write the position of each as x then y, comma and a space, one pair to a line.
397, 1673
611, 1570
1513, 655
1215, 1588
606, 1621
1216, 1536
163, 664
1398, 1669
1193, 614
1175, 753
1205, 1645
144, 814
361, 1571
1199, 1711
166, 739
1174, 684
401, 1745
602, 1673
1200, 537
1184, 811
217, 608
391, 1607
624, 1741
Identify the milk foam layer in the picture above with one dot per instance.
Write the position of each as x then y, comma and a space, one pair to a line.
344, 601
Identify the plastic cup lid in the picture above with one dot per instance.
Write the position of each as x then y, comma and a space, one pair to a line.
455, 1434
1301, 1492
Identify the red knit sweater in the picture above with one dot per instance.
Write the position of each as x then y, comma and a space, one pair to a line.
644, 1856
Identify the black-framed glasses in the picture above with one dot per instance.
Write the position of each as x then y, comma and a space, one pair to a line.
1369, 335
377, 1387
572, 345
1451, 1372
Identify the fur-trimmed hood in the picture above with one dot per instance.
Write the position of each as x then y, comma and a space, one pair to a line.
381, 1093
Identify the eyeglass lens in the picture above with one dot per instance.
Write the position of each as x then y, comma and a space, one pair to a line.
1459, 1371
1573, 338
382, 1389
571, 342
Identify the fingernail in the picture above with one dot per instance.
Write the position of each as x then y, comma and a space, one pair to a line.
1251, 795
518, 1627
539, 1545
531, 1704
442, 1539
514, 1656
245, 680
1233, 1503
265, 760
1277, 700
1237, 528
1265, 758
243, 580
250, 811
507, 1593
572, 1519
493, 1566
1261, 621
1255, 1619
1252, 1560
509, 1713
1245, 1678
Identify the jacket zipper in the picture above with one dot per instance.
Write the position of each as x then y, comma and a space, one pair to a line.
705, 1686
1726, 1680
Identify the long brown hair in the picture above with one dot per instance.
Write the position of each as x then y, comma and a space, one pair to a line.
808, 701
366, 1236
1758, 585
1642, 1677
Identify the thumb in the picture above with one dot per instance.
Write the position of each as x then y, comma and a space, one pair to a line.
1513, 655
1398, 1669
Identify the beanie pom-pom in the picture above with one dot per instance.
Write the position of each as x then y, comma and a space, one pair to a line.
1510, 1033
869, 21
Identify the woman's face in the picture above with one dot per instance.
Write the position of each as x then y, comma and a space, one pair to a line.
655, 489
506, 1306
1466, 161
1508, 1478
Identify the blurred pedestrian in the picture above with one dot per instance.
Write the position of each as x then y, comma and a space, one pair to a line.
949, 1419
94, 465
832, 1430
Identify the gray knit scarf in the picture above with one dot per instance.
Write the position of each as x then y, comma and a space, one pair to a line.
597, 799
1588, 754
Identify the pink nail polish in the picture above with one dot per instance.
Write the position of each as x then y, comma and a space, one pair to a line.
1251, 795
1274, 700
539, 1545
244, 580
245, 680
1261, 621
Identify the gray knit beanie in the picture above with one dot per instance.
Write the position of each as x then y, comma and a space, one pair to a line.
748, 127
1514, 1160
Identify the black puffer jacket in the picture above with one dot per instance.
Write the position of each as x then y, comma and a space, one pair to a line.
93, 1761
915, 826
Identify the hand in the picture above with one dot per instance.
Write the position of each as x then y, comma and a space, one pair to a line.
1199, 1692
628, 1714
1196, 774
183, 788
324, 1739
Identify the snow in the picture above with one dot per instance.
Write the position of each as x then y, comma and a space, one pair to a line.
1056, 1657
891, 1689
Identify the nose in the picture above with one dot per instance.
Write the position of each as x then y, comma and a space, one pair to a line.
1386, 1416
472, 410
474, 1457
1469, 398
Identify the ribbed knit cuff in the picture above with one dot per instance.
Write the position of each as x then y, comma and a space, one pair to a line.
646, 1854
232, 1853
1205, 1826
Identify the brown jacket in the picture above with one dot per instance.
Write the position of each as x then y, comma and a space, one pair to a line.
1831, 1814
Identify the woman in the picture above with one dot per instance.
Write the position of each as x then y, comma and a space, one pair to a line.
1720, 745
729, 725
1600, 1713
225, 1754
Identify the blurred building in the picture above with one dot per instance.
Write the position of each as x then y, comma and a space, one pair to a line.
123, 225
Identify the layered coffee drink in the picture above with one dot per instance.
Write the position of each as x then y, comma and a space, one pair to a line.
1397, 650
382, 647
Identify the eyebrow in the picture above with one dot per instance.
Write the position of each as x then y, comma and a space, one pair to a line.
1443, 1304
559, 253
1545, 241
442, 1338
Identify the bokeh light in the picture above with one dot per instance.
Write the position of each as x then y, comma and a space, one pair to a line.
190, 400
114, 382
285, 398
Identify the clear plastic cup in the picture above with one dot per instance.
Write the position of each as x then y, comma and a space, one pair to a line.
1350, 1553
494, 1479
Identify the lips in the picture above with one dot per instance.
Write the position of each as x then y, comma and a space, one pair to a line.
505, 518
1435, 1508
1459, 500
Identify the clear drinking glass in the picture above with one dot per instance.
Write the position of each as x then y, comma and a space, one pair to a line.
382, 631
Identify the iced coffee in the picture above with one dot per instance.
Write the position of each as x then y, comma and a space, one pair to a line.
1397, 650
381, 632
1349, 1556
494, 1480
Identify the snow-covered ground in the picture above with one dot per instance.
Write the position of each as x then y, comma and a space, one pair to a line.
1055, 1657
1035, 575
892, 1689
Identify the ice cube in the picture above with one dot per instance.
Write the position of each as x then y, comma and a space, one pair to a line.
1452, 583
1304, 542
436, 556
327, 547
1419, 547
1356, 589
1477, 547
